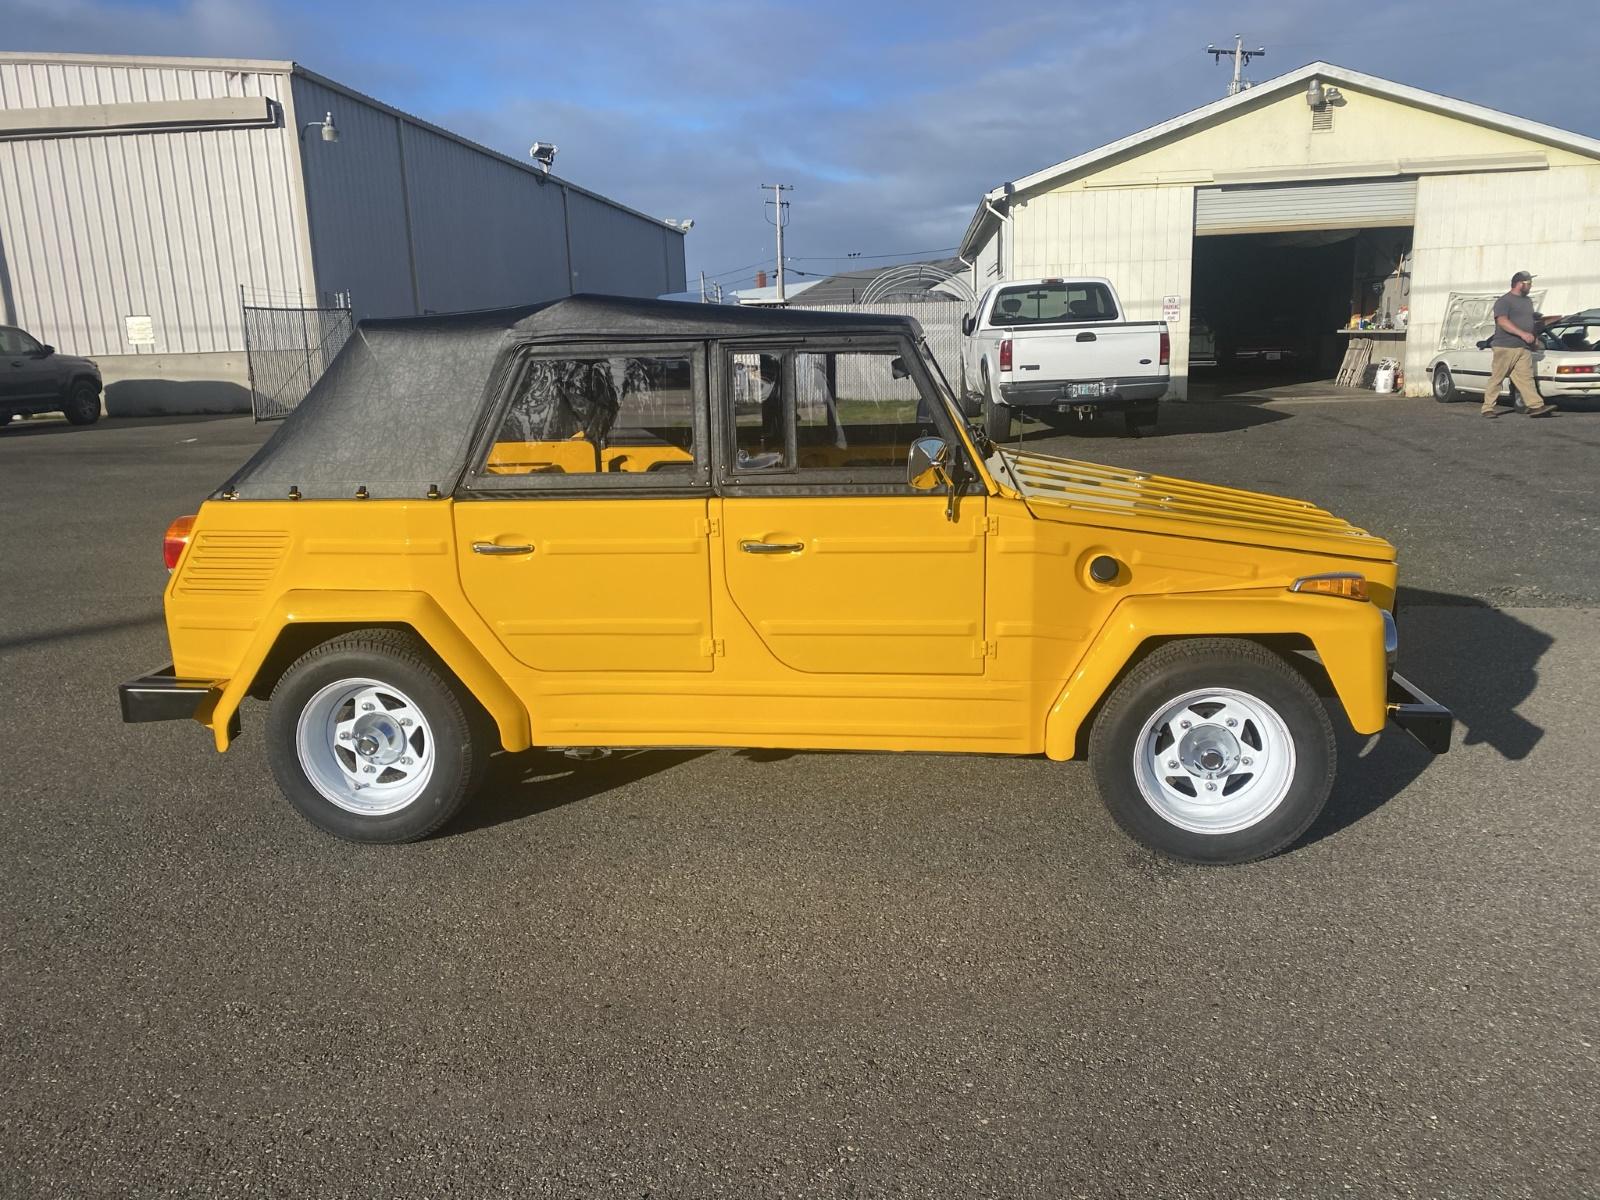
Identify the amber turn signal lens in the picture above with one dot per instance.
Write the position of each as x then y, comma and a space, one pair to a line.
1346, 587
177, 537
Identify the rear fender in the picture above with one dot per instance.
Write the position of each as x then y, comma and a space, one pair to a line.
1347, 635
357, 609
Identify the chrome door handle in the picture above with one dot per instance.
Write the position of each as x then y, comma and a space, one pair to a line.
772, 547
497, 548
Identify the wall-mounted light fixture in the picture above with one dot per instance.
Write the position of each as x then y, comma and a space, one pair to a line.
330, 131
543, 153
683, 223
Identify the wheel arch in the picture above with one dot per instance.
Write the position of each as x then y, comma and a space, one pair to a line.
301, 620
1346, 641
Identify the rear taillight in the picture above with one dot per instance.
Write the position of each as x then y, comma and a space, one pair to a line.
177, 537
1578, 369
1166, 348
1005, 354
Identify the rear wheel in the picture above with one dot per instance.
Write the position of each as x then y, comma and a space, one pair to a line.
369, 740
1444, 385
1214, 750
83, 404
996, 416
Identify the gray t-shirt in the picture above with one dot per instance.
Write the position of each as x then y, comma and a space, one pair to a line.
1520, 310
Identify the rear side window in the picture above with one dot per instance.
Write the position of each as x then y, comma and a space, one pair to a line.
620, 414
1053, 302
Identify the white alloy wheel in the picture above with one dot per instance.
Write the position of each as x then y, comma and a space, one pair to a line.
1214, 761
365, 746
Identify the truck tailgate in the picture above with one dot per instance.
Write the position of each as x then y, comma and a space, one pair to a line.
1072, 352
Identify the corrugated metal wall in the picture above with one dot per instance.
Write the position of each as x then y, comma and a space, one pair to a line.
96, 228
1140, 238
482, 231
1474, 231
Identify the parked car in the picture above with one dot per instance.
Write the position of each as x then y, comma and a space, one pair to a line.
1058, 347
1202, 343
1566, 363
35, 379
563, 529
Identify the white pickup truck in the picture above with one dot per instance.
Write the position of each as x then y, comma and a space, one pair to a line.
1059, 347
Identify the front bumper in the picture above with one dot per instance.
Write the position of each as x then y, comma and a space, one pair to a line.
1419, 714
161, 696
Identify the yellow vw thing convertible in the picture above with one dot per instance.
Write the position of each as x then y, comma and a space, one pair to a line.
604, 522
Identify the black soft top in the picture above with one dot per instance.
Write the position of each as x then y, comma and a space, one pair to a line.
396, 411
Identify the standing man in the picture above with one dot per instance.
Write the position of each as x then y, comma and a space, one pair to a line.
1515, 324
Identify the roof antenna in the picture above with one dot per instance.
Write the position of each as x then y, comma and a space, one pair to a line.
1241, 59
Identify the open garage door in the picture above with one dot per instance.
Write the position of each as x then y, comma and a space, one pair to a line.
1283, 207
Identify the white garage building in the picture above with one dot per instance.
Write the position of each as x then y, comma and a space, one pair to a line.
145, 201
1288, 211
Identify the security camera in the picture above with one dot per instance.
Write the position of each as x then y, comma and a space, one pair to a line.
543, 153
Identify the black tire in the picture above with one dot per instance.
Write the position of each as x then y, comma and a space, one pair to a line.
1182, 669
1444, 385
5, 419
996, 417
460, 733
82, 406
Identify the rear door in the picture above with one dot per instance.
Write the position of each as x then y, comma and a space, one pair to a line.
582, 536
26, 373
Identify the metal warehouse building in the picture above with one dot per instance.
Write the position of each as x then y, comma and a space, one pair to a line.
145, 202
1296, 213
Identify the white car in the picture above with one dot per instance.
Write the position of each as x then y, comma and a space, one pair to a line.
1566, 363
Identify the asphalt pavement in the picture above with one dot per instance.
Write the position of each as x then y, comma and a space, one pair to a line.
771, 974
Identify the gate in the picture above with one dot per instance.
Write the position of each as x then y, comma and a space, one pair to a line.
286, 351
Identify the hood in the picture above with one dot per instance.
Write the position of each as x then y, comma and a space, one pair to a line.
76, 360
1062, 489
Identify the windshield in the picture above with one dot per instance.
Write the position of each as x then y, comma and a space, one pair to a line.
1053, 301
948, 394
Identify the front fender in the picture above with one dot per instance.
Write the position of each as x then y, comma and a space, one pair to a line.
1347, 635
414, 609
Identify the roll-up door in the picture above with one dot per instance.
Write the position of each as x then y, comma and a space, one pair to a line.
1271, 208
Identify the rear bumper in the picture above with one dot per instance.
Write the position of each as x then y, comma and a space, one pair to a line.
1120, 393
161, 696
1419, 714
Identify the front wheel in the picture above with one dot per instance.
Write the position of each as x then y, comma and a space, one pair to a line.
369, 740
1444, 385
83, 404
996, 416
1214, 750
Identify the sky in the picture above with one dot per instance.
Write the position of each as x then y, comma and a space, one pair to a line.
889, 119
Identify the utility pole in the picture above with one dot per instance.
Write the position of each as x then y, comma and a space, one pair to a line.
702, 287
1241, 59
779, 219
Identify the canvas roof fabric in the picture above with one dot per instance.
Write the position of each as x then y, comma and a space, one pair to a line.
396, 411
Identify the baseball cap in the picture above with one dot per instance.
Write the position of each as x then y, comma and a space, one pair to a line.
1521, 275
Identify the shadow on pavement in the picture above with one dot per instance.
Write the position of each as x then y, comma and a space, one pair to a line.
1476, 660
48, 425
71, 633
1176, 420
537, 781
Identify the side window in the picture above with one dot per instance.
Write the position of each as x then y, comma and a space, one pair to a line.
10, 341
825, 409
614, 414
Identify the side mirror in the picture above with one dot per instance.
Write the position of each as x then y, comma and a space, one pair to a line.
45, 351
928, 464
968, 324
898, 368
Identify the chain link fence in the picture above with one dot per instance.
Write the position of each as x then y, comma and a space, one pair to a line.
287, 350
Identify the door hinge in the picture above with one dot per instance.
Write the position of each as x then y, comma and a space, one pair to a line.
713, 648
991, 524
711, 527
987, 650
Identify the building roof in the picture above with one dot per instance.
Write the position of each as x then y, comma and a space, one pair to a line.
846, 287
285, 67
419, 386
983, 219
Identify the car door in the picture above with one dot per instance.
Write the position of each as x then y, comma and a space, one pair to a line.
833, 566
582, 534
26, 372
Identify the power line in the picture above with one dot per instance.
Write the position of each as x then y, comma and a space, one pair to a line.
867, 257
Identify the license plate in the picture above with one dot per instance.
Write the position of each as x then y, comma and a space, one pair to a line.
1086, 389
1272, 356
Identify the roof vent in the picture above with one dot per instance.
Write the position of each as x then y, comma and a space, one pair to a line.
1322, 119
